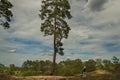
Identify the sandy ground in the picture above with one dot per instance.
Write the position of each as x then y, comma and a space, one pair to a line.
102, 72
45, 78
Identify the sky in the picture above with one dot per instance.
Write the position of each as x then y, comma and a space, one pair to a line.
95, 29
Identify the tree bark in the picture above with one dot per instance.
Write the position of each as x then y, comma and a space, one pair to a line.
53, 72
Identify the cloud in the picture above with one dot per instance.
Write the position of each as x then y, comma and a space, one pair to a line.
12, 51
98, 28
96, 5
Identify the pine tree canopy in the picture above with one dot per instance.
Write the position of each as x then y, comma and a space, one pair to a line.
53, 13
5, 13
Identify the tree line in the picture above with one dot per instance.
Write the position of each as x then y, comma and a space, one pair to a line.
65, 68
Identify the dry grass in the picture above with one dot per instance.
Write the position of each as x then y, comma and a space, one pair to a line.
102, 72
45, 78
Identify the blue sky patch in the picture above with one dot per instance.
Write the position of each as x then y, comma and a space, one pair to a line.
27, 42
111, 47
30, 46
85, 43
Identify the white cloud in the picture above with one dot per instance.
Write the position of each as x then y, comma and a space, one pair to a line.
95, 5
101, 25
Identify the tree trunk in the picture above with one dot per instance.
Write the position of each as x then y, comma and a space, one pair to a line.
54, 60
53, 72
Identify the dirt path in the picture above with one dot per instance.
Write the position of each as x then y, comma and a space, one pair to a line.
45, 78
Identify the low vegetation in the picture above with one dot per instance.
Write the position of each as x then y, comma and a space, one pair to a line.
96, 69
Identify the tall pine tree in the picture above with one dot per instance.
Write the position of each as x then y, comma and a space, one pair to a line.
5, 13
54, 14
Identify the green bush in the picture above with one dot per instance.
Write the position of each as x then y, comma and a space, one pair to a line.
47, 72
30, 73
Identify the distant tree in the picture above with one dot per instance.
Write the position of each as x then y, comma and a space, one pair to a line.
90, 65
5, 13
116, 64
115, 60
99, 64
36, 67
78, 66
54, 12
47, 67
12, 69
1, 65
69, 67
27, 65
107, 65
2, 68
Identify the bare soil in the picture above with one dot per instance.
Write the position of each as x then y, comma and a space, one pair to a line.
45, 78
102, 72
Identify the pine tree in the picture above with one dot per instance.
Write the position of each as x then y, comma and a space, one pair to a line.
5, 13
54, 14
